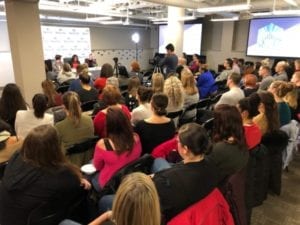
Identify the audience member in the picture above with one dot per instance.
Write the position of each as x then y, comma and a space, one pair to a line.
190, 94
250, 85
87, 92
157, 82
292, 99
74, 61
28, 119
265, 73
75, 128
241, 63
106, 72
9, 144
227, 71
54, 99
268, 118
195, 64
157, 128
297, 65
65, 75
120, 147
229, 151
195, 175
174, 90
39, 177
75, 85
249, 68
130, 97
143, 111
235, 93
170, 61
136, 202
111, 96
280, 71
11, 101
248, 108
235, 66
136, 70
296, 79
205, 82
280, 89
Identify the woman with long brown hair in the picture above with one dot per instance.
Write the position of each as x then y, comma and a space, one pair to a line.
39, 177
120, 146
54, 99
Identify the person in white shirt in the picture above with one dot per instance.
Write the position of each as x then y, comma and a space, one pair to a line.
235, 94
29, 119
143, 111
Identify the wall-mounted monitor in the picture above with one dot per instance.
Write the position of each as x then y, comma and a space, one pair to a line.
274, 37
191, 38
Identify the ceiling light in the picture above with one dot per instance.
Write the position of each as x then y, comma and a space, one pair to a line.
286, 12
113, 22
98, 18
225, 8
291, 2
225, 19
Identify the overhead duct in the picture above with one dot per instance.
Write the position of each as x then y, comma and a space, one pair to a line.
180, 3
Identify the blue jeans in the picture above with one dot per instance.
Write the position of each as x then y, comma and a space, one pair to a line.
105, 203
160, 164
68, 222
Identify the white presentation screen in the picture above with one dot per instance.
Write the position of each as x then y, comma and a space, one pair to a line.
191, 38
66, 41
277, 37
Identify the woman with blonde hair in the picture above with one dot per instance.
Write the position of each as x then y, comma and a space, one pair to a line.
191, 94
54, 99
75, 128
157, 82
136, 202
174, 90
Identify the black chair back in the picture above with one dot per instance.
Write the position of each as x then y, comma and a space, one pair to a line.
142, 164
173, 115
62, 89
204, 103
214, 100
185, 117
82, 147
2, 168
208, 125
88, 106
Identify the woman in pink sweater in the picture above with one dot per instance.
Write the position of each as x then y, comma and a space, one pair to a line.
121, 146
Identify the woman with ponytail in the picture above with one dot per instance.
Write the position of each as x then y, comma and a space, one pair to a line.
76, 127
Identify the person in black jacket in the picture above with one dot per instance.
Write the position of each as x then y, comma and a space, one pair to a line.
38, 181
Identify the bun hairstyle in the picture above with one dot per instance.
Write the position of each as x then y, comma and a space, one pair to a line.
159, 103
144, 94
194, 137
282, 88
250, 104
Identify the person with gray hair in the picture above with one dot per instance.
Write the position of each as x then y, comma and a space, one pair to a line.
280, 71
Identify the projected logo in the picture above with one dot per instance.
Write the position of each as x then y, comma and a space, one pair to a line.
270, 36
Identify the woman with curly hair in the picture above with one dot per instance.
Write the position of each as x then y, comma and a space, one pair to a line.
157, 82
174, 90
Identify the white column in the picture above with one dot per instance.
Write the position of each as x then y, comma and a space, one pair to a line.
175, 28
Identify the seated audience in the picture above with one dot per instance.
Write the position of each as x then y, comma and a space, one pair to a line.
28, 119
227, 71
265, 73
11, 101
157, 81
120, 147
248, 108
292, 99
280, 89
39, 177
190, 92
136, 70
66, 74
54, 99
195, 64
229, 151
87, 92
174, 90
106, 72
235, 66
280, 71
235, 93
186, 183
9, 144
130, 97
157, 128
75, 128
268, 118
75, 85
74, 61
143, 111
111, 96
136, 202
296, 79
249, 68
250, 85
205, 82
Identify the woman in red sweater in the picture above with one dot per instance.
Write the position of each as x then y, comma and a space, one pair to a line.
121, 146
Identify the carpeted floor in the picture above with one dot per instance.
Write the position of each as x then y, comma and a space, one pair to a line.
283, 209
